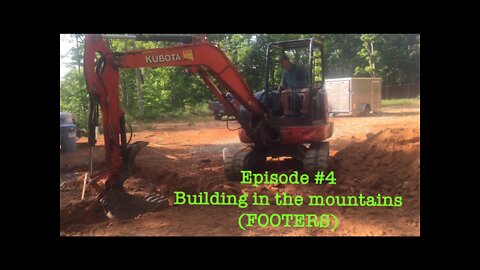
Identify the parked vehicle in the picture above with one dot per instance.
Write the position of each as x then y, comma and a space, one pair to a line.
354, 96
218, 108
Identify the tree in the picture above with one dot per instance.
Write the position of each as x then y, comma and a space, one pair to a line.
73, 94
76, 52
368, 52
171, 91
400, 58
74, 97
341, 54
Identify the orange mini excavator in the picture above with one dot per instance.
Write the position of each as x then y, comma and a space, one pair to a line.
274, 123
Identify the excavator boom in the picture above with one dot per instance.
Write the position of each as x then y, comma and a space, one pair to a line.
101, 68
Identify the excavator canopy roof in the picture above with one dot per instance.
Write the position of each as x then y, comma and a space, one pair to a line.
294, 44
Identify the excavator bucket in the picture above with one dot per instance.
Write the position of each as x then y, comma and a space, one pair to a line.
117, 203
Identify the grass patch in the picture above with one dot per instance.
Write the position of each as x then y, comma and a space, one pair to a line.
399, 102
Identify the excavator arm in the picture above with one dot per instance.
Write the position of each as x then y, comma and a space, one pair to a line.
101, 68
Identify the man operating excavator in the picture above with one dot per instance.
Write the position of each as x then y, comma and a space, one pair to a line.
294, 79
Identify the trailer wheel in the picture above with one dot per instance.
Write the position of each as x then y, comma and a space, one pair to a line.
366, 110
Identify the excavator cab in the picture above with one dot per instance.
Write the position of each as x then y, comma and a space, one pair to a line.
296, 123
295, 105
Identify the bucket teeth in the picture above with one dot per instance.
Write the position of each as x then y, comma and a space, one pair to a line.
155, 198
119, 204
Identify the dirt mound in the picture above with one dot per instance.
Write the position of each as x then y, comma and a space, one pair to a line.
80, 160
387, 162
84, 212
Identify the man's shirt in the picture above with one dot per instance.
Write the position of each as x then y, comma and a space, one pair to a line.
296, 78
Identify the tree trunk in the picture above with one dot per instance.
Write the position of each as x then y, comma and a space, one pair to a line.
138, 77
372, 60
78, 63
124, 92
123, 88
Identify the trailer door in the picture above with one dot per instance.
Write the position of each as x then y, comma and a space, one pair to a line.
338, 92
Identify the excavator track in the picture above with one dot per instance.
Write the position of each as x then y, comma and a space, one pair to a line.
316, 158
246, 159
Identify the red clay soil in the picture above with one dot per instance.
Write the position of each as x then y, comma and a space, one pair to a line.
369, 155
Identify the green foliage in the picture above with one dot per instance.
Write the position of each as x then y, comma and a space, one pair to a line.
172, 93
400, 58
74, 98
369, 52
341, 54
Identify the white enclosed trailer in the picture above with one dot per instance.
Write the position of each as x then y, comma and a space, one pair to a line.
354, 96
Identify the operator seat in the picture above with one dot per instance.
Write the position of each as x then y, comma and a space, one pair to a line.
295, 102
